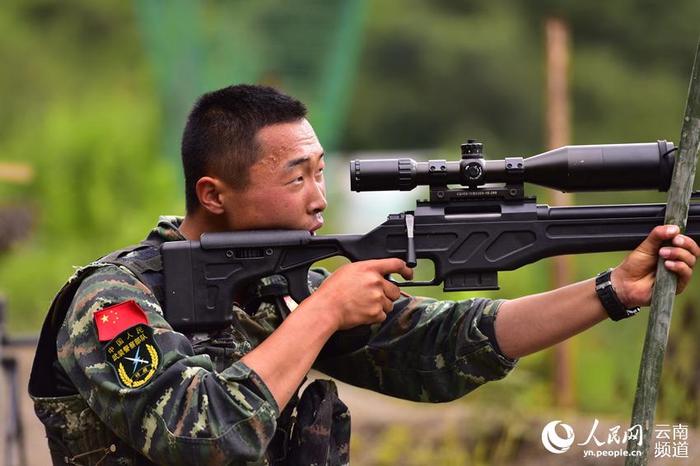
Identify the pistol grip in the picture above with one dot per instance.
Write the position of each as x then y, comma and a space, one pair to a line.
298, 284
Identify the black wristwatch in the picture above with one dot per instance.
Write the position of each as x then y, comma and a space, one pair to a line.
608, 297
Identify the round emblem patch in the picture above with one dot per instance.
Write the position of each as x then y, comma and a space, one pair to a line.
134, 356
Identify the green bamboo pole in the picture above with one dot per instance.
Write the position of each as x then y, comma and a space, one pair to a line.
665, 287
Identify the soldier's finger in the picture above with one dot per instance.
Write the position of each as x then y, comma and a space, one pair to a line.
657, 236
681, 269
391, 291
407, 273
388, 266
387, 305
380, 317
678, 254
687, 243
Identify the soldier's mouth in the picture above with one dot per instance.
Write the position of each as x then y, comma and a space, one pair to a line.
317, 224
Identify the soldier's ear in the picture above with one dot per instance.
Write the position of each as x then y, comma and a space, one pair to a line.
210, 194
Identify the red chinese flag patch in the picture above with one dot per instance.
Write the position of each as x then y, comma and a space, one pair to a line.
113, 320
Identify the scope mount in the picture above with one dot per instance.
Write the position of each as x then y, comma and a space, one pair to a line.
472, 168
507, 192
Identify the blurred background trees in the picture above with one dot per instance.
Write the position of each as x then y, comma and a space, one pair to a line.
94, 94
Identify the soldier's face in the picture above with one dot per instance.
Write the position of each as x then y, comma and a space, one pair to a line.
286, 187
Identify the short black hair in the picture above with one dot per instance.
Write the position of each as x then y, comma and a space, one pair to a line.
220, 133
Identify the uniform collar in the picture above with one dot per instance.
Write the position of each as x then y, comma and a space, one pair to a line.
167, 229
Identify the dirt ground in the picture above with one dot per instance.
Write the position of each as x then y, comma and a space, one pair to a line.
385, 431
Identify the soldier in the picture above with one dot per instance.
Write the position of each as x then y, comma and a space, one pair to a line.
114, 384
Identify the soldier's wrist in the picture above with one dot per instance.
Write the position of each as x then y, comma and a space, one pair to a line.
325, 314
619, 287
611, 297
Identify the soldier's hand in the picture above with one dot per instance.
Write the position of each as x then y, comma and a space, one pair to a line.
358, 293
634, 278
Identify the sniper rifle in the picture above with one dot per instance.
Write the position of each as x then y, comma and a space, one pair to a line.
470, 232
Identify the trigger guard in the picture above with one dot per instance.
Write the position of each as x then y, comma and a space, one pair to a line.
412, 282
298, 284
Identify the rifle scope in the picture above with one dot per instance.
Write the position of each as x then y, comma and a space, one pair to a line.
600, 167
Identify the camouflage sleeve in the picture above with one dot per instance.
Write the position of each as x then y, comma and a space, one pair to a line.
182, 412
426, 350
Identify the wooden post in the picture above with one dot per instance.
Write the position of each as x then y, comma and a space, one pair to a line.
558, 135
665, 287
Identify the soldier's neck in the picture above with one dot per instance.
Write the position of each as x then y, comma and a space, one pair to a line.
194, 224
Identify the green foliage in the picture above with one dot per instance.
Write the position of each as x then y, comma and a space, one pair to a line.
619, 103
427, 83
643, 33
99, 184
78, 108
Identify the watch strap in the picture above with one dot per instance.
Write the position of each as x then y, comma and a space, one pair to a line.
608, 297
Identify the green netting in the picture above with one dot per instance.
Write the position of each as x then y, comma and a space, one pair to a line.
308, 48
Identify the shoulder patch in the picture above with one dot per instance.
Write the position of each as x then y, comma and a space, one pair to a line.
134, 355
112, 320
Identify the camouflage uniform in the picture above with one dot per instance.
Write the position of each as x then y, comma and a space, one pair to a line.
204, 406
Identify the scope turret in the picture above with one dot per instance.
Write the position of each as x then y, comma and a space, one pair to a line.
601, 167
